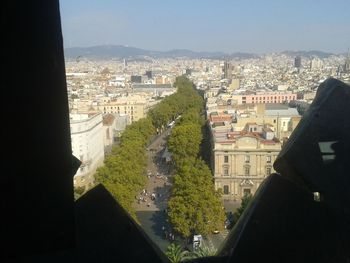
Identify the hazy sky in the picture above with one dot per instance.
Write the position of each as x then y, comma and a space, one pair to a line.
209, 25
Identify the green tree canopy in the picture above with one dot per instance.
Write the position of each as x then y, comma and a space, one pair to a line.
124, 171
195, 206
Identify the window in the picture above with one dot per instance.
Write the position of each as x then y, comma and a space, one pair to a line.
225, 171
226, 190
246, 170
247, 159
225, 159
268, 159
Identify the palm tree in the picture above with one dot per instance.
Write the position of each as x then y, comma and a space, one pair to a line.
204, 252
176, 254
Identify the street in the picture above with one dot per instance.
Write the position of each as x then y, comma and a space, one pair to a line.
151, 203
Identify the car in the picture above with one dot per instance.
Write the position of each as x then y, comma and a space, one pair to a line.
216, 232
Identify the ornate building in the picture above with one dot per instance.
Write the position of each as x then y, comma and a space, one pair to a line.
242, 160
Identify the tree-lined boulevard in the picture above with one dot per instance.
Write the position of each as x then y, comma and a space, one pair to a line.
172, 200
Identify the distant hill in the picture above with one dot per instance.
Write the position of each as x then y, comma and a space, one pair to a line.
132, 53
311, 53
118, 51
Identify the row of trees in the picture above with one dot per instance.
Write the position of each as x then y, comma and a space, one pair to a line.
194, 207
123, 173
174, 105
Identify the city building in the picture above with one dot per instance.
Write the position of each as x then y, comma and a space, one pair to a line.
136, 79
122, 121
297, 62
234, 85
149, 74
154, 89
347, 63
242, 160
135, 107
188, 71
87, 135
246, 140
262, 97
316, 64
227, 70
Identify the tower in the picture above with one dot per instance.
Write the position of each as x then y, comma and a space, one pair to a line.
297, 62
227, 70
347, 63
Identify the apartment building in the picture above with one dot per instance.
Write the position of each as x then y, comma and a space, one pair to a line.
281, 118
87, 145
135, 107
263, 97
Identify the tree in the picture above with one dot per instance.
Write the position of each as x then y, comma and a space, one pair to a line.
184, 141
245, 201
204, 252
195, 206
78, 191
124, 171
176, 254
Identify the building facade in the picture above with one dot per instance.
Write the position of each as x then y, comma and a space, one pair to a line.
264, 97
242, 160
297, 62
87, 145
134, 108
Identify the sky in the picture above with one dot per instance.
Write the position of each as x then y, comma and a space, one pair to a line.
258, 26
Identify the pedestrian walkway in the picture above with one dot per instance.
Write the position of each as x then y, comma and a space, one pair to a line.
151, 203
156, 194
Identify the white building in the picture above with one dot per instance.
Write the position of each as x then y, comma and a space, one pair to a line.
87, 145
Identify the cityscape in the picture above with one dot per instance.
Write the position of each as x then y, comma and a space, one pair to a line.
176, 131
251, 107
180, 111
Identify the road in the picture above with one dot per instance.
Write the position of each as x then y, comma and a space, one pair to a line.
214, 241
151, 213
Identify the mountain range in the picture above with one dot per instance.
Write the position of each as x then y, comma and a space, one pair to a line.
120, 52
